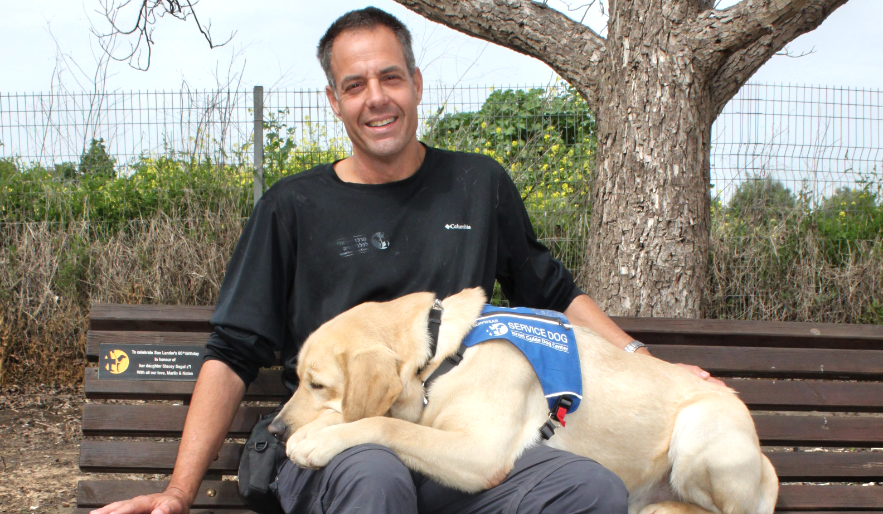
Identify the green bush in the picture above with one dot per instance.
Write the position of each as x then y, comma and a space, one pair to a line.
760, 200
848, 216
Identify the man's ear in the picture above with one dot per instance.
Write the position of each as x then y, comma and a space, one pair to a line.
371, 382
418, 84
332, 99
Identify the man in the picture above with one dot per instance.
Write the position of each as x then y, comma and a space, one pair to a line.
375, 226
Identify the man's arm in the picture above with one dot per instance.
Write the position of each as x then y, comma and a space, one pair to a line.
216, 398
583, 311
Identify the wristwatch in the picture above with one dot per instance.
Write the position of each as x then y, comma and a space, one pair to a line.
634, 345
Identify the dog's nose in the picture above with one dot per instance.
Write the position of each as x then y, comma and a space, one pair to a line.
279, 429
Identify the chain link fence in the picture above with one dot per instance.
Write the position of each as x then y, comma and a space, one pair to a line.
783, 158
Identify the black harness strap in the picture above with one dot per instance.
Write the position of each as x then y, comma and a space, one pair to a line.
434, 324
448, 364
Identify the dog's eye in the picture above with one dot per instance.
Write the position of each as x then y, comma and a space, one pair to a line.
314, 385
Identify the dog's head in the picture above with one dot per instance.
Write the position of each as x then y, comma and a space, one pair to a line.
364, 362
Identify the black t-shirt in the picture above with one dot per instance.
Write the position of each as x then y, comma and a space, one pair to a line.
316, 246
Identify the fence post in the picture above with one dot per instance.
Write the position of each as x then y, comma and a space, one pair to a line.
258, 143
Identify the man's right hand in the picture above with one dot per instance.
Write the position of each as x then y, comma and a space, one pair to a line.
171, 501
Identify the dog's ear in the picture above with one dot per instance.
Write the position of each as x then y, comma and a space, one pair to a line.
371, 382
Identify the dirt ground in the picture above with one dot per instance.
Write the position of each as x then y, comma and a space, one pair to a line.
39, 447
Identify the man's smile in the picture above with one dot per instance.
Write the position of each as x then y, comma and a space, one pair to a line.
382, 123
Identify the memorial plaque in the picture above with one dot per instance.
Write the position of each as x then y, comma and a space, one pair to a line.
149, 362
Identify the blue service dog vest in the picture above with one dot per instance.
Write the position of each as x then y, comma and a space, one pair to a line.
545, 338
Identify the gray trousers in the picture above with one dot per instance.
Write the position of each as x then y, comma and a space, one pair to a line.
370, 479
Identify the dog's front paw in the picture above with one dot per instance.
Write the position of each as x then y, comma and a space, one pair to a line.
320, 423
317, 449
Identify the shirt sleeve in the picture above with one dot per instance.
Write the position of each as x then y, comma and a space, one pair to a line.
527, 272
250, 318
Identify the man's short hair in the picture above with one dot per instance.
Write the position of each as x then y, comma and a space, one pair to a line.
367, 18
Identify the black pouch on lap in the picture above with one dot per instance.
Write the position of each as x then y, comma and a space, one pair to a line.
257, 468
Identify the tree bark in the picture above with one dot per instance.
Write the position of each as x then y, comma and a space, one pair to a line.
656, 84
650, 217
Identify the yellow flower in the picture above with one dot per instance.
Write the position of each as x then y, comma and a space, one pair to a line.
842, 213
499, 130
514, 143
483, 124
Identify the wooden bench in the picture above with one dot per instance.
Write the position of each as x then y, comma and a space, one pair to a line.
816, 392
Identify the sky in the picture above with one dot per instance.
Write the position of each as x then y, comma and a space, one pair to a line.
273, 45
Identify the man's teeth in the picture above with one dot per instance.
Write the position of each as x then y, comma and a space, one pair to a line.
381, 122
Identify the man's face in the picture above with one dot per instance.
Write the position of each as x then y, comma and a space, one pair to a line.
375, 97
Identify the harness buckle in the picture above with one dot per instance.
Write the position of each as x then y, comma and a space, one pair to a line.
556, 417
560, 409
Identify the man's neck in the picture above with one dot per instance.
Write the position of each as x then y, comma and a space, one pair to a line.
360, 169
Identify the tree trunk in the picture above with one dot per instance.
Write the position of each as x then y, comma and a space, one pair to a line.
656, 84
648, 247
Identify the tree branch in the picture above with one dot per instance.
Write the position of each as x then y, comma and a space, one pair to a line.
149, 12
530, 28
736, 42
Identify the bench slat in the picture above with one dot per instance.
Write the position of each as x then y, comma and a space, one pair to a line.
809, 395
266, 387
812, 497
170, 318
221, 511
155, 420
797, 430
93, 493
782, 334
148, 457
785, 362
94, 338
97, 493
758, 394
774, 430
108, 316
159, 457
827, 466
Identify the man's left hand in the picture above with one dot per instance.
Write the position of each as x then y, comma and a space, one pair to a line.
701, 373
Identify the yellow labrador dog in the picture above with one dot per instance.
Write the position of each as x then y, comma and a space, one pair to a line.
679, 443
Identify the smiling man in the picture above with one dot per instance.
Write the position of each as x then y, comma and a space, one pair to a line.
374, 90
395, 217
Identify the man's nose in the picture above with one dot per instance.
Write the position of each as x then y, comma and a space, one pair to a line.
376, 94
279, 429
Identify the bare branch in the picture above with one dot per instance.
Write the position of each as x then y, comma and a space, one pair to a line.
735, 42
149, 12
785, 52
572, 49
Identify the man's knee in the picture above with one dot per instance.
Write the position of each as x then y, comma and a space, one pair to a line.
369, 478
580, 486
594, 487
370, 467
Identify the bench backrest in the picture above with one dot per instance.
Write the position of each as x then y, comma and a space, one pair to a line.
815, 391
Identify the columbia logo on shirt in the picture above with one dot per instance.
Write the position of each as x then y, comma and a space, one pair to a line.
457, 226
